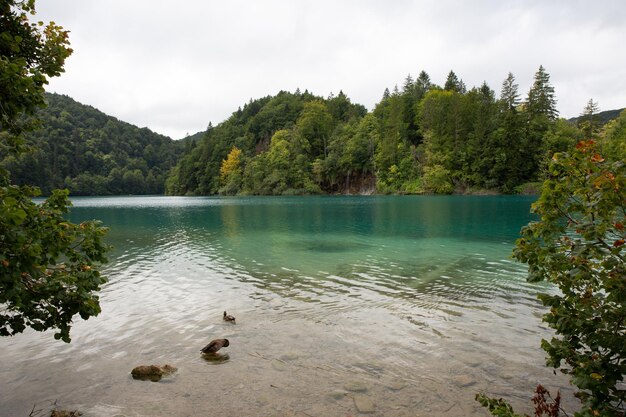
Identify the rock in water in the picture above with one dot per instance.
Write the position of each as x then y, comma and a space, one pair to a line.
364, 403
355, 386
152, 373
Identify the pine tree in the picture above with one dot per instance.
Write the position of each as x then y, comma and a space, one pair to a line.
541, 114
452, 82
508, 94
409, 85
422, 84
588, 122
507, 140
541, 99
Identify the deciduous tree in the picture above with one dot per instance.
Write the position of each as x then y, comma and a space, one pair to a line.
48, 266
578, 244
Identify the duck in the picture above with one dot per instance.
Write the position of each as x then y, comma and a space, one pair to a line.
229, 318
215, 345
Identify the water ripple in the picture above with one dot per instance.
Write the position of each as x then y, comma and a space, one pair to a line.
379, 292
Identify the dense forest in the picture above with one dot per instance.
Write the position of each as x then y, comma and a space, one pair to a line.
82, 149
420, 138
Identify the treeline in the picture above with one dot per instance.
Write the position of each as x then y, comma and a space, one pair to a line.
420, 138
82, 149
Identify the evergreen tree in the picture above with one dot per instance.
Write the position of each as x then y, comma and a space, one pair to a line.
509, 95
411, 97
422, 85
541, 99
409, 85
541, 115
453, 83
481, 115
588, 122
507, 140
394, 133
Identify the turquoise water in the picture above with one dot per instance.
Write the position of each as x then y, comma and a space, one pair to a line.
412, 303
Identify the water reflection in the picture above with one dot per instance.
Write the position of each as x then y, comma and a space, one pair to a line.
412, 300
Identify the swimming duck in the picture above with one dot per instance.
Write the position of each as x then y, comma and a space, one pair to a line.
229, 318
215, 345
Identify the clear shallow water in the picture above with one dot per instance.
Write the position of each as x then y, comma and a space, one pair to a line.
413, 299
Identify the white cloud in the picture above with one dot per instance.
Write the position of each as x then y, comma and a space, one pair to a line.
173, 67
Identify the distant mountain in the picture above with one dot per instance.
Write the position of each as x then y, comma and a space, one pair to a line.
80, 148
603, 117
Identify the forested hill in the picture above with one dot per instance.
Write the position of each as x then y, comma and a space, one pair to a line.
602, 117
80, 148
420, 138
260, 138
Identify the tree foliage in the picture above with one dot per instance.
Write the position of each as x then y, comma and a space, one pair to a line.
47, 263
613, 138
579, 245
48, 266
30, 53
588, 121
418, 139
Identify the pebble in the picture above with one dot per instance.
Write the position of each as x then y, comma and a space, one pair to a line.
337, 394
278, 365
464, 381
355, 386
364, 403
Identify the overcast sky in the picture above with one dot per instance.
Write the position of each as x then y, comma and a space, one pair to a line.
175, 66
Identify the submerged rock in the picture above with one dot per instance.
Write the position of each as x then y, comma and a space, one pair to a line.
464, 381
152, 373
364, 404
355, 386
337, 394
279, 365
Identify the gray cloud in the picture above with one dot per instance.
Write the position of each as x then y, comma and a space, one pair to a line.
173, 67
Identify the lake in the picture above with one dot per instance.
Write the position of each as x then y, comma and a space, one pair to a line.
407, 305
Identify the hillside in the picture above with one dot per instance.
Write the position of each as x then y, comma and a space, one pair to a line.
80, 148
251, 129
420, 138
601, 118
